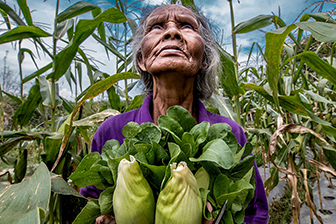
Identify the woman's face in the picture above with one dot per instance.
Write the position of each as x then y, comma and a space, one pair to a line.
172, 42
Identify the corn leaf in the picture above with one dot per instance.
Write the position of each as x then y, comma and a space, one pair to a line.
255, 23
6, 18
272, 181
274, 46
63, 27
109, 47
228, 75
37, 73
22, 32
20, 201
14, 98
95, 119
324, 32
20, 167
10, 12
75, 10
26, 11
26, 110
223, 104
321, 17
60, 186
321, 67
189, 3
84, 29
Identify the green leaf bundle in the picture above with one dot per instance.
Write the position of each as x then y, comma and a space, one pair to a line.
218, 168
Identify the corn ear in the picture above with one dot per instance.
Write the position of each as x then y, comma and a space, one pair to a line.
179, 201
133, 199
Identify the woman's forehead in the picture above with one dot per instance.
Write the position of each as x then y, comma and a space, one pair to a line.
168, 11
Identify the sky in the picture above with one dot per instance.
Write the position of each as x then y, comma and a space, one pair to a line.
217, 11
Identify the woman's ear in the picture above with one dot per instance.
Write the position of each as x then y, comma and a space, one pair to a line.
140, 62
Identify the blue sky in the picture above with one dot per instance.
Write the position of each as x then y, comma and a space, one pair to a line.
216, 10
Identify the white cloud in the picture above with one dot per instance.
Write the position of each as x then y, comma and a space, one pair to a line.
155, 2
219, 13
67, 94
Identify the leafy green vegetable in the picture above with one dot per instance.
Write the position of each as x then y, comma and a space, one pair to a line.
211, 152
217, 151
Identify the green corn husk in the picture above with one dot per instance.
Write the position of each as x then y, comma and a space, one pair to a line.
180, 201
133, 199
203, 178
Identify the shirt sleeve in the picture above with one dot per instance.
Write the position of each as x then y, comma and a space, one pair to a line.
257, 210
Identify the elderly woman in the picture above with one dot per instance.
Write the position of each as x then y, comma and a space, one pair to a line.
175, 54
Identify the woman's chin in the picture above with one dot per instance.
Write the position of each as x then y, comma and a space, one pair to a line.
173, 66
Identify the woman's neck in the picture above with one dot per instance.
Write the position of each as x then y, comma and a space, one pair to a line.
167, 93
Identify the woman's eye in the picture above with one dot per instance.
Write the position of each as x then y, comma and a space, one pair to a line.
156, 26
187, 26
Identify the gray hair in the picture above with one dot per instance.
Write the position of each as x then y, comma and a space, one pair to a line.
205, 81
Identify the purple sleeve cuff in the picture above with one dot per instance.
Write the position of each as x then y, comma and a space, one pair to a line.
90, 191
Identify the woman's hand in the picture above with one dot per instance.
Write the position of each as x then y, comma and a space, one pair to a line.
105, 219
205, 221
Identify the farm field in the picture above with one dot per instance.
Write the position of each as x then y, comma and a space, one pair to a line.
282, 93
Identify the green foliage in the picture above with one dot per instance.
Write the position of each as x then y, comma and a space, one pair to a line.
281, 209
43, 98
25, 111
297, 86
83, 30
21, 166
22, 32
89, 213
15, 206
296, 74
255, 23
75, 10
213, 145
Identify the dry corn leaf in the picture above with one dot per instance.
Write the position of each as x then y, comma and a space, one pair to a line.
310, 203
322, 167
292, 181
292, 128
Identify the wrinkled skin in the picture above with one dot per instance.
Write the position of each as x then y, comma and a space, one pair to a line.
172, 51
172, 43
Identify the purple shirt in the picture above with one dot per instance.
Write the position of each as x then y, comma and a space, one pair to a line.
111, 128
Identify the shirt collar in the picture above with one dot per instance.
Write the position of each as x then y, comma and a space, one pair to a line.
145, 114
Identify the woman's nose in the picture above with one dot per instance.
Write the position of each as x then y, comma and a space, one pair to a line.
172, 32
